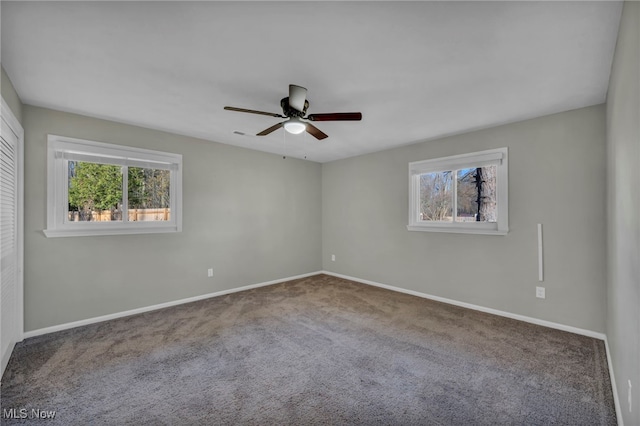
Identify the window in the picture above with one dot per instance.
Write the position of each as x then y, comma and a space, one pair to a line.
99, 189
464, 193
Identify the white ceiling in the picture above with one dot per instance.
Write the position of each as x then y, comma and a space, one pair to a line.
416, 70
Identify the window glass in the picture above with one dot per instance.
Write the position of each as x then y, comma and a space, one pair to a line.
476, 195
95, 192
436, 196
149, 194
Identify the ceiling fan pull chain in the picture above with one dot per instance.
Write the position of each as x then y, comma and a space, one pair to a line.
306, 144
284, 145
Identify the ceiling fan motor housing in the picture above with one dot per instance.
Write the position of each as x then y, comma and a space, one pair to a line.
289, 111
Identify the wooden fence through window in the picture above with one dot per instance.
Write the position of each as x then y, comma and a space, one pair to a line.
135, 215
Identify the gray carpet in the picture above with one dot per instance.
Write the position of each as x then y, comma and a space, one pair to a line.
320, 350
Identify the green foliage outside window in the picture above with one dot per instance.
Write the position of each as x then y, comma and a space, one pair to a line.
148, 188
94, 186
97, 188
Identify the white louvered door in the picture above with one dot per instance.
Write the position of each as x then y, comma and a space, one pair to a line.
10, 295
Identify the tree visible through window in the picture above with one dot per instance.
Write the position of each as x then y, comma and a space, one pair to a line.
436, 196
95, 193
149, 193
474, 193
462, 193
95, 188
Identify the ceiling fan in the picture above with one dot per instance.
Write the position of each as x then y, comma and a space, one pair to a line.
294, 108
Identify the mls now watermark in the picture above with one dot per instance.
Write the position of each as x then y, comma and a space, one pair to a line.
23, 413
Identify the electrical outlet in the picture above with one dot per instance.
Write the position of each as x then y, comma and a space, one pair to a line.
333, 257
629, 395
540, 292
210, 272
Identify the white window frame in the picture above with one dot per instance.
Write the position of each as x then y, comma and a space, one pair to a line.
62, 149
497, 157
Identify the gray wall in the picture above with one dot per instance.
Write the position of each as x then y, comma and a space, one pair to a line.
623, 138
252, 216
556, 177
10, 95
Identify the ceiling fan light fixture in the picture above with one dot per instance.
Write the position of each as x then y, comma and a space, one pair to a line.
295, 126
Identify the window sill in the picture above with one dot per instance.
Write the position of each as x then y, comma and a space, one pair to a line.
457, 230
55, 233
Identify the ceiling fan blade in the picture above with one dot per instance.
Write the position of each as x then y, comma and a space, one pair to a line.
252, 111
270, 129
297, 97
315, 132
336, 116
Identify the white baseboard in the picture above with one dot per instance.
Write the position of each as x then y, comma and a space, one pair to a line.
108, 317
589, 333
612, 376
